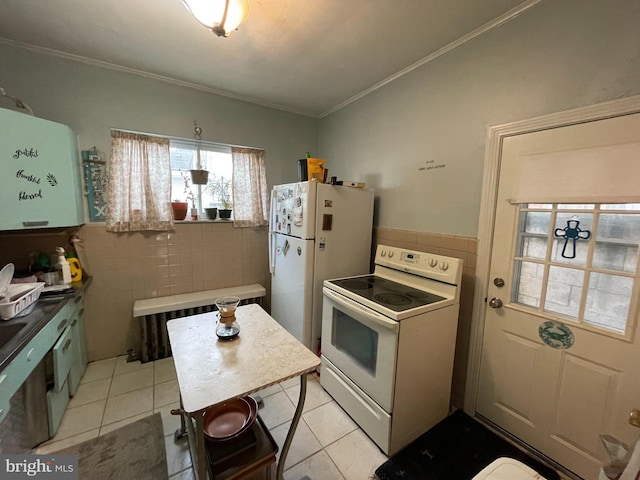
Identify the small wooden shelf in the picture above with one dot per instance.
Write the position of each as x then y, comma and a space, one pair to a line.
251, 453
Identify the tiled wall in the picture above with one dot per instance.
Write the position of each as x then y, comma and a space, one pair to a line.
451, 246
131, 266
203, 256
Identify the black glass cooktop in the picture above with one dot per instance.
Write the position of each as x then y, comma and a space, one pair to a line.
393, 295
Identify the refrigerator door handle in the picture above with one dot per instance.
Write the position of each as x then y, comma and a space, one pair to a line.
272, 256
272, 210
272, 229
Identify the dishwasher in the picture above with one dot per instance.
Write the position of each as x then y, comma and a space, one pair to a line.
27, 424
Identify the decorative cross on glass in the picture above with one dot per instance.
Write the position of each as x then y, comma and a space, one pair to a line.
571, 233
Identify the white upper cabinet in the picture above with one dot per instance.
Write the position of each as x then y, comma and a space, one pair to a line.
40, 186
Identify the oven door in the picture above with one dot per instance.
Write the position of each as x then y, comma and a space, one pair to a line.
362, 343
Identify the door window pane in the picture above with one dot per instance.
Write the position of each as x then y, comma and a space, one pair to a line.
620, 206
575, 249
576, 206
617, 242
608, 301
528, 284
564, 288
533, 238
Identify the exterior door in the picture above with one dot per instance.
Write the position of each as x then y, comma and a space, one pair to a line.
560, 354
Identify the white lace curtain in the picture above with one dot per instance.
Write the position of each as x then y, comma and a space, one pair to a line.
250, 207
139, 183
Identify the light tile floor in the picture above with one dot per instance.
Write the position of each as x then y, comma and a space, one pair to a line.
327, 445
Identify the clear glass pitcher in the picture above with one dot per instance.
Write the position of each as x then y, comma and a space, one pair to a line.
227, 327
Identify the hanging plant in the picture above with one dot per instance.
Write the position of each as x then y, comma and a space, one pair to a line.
199, 176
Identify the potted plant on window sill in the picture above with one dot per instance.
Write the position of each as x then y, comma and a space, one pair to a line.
220, 189
225, 211
179, 209
191, 197
212, 212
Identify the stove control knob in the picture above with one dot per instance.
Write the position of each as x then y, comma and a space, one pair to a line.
444, 266
390, 254
383, 253
433, 262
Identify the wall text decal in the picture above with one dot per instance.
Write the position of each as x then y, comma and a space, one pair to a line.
431, 165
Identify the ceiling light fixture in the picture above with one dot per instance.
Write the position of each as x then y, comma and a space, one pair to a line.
220, 16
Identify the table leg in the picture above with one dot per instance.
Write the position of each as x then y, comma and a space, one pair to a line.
292, 428
196, 445
201, 460
182, 431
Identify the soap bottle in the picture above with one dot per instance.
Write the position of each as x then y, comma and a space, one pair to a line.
59, 262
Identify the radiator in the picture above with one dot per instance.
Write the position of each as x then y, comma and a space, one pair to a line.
154, 313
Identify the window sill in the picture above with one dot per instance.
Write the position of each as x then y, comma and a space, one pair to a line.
205, 220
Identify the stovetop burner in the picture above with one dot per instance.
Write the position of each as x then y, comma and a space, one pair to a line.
390, 294
392, 298
356, 284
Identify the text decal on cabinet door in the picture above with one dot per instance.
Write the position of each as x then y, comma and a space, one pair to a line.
28, 178
26, 152
28, 181
23, 176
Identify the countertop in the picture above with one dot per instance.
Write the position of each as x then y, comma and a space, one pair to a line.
44, 311
211, 371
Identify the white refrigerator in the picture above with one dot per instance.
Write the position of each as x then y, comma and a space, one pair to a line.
316, 232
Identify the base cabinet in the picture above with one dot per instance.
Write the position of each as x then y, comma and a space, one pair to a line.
68, 362
58, 353
79, 363
56, 405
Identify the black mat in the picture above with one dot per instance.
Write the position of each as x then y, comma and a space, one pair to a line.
455, 449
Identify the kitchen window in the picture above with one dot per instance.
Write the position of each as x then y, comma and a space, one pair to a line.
151, 171
215, 158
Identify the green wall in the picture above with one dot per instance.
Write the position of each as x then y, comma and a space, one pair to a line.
558, 55
92, 100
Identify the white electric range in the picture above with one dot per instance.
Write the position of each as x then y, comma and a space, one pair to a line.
388, 343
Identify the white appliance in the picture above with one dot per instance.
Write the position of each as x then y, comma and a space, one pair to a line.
505, 468
388, 343
316, 231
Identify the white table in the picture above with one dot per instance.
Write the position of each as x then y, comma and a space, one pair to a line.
211, 371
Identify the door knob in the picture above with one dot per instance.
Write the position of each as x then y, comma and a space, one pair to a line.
634, 417
495, 303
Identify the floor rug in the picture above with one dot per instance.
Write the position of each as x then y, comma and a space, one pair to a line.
133, 452
455, 449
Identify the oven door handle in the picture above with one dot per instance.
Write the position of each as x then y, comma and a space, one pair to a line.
363, 311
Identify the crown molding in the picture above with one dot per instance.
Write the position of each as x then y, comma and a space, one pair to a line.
495, 23
153, 76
